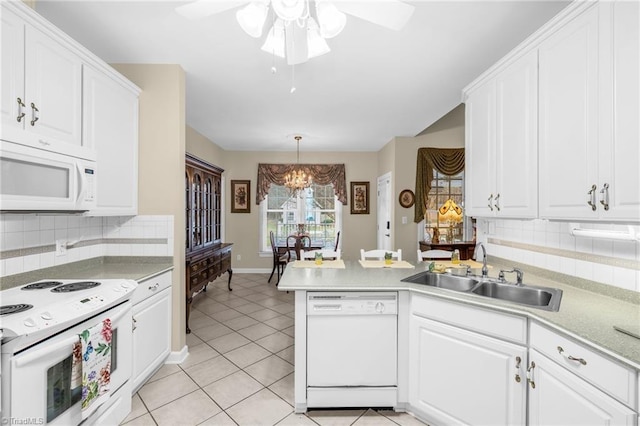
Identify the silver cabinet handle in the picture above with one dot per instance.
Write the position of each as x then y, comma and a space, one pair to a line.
133, 324
592, 197
34, 115
490, 201
604, 196
20, 111
530, 375
154, 287
518, 361
571, 358
497, 203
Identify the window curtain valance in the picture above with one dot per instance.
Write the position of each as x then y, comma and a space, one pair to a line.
322, 174
445, 160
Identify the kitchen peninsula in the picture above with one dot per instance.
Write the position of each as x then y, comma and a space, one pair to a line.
521, 342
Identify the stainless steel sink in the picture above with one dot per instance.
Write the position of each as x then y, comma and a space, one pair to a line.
539, 297
448, 282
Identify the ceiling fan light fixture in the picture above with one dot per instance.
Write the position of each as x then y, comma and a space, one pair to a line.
316, 44
289, 10
274, 44
251, 18
332, 21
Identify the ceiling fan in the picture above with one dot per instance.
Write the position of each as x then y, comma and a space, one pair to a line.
298, 31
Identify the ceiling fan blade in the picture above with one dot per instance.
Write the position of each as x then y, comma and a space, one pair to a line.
392, 14
203, 8
296, 44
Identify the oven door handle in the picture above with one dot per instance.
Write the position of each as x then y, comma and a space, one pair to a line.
47, 351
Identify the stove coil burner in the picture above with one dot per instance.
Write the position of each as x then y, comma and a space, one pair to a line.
80, 285
42, 285
14, 309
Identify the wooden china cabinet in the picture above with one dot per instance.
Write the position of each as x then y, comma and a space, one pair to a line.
207, 257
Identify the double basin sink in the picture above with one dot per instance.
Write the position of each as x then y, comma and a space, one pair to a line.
538, 297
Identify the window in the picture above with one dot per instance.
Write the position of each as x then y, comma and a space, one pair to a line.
444, 187
317, 208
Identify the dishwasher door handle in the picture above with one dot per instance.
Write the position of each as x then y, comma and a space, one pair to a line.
327, 307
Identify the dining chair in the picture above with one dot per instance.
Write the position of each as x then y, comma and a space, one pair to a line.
279, 260
433, 255
337, 241
379, 254
327, 254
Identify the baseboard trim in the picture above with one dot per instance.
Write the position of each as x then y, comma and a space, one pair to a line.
178, 357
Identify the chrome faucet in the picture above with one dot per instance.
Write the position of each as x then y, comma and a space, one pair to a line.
485, 269
519, 275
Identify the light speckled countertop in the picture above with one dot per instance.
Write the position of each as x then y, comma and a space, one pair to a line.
587, 312
136, 268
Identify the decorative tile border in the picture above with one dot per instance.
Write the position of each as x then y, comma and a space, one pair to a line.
27, 251
587, 257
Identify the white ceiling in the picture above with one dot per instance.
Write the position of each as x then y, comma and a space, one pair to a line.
374, 85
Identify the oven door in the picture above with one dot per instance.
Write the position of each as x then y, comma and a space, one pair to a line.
41, 384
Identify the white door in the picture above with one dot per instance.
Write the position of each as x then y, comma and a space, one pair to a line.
384, 212
13, 102
561, 398
568, 132
110, 127
459, 377
53, 85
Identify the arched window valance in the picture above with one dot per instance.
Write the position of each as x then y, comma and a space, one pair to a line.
322, 174
446, 160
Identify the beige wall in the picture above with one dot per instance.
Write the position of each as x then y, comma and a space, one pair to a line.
161, 163
358, 231
448, 132
203, 148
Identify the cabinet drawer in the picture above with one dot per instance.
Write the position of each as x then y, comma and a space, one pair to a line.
484, 321
151, 286
605, 373
198, 266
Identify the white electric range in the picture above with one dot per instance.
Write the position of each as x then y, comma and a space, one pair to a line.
40, 324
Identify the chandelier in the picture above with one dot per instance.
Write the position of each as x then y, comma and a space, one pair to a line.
297, 33
297, 180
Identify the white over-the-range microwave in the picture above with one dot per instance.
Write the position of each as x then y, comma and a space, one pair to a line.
33, 179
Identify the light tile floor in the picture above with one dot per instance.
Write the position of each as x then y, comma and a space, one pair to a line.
240, 366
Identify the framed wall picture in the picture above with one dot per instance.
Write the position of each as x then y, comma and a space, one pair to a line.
406, 198
240, 193
359, 197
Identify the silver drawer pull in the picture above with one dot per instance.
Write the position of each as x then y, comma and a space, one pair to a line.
154, 287
571, 358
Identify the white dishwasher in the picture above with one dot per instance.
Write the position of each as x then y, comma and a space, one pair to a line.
352, 349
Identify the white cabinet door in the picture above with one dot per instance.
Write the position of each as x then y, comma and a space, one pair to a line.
151, 336
516, 139
110, 117
479, 151
561, 398
620, 126
13, 102
460, 377
568, 132
45, 73
53, 91
501, 158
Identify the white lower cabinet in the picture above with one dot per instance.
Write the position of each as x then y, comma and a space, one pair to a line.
151, 327
562, 398
458, 376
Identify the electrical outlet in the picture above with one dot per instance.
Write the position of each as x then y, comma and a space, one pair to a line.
61, 248
238, 257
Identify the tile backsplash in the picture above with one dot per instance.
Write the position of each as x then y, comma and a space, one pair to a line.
550, 245
28, 242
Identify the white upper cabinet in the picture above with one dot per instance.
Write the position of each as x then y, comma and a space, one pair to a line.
501, 142
589, 127
110, 116
45, 81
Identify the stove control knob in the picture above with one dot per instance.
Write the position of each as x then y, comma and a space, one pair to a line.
46, 315
117, 289
379, 307
29, 322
